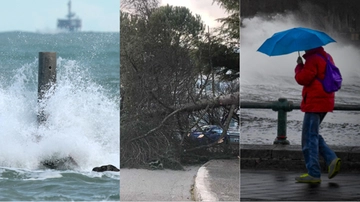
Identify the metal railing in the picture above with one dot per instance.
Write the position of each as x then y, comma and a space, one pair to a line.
282, 106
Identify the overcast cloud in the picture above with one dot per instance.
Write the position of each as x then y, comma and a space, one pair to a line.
208, 11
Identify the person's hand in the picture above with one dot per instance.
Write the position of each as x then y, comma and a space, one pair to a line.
298, 68
299, 60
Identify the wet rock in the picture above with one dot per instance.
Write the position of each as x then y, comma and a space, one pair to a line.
66, 163
105, 168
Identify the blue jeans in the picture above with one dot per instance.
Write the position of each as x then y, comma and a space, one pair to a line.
313, 144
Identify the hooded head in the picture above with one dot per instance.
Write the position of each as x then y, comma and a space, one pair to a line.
314, 49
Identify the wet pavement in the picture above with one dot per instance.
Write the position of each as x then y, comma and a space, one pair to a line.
157, 185
218, 180
273, 185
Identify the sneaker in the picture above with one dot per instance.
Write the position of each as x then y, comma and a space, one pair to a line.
306, 178
334, 168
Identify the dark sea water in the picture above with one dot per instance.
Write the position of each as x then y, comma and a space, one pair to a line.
265, 78
83, 117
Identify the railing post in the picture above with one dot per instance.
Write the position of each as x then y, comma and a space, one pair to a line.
46, 78
282, 107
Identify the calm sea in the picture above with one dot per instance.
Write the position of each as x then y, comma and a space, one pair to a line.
83, 117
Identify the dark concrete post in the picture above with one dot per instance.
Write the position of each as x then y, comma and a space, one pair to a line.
282, 107
46, 77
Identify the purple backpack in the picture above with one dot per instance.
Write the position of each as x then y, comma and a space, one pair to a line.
332, 80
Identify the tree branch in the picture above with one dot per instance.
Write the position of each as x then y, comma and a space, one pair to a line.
225, 128
230, 99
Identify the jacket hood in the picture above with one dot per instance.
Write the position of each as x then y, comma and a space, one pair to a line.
313, 51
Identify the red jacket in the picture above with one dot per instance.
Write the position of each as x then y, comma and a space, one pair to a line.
314, 98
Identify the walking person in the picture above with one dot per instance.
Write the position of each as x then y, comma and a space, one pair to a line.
315, 103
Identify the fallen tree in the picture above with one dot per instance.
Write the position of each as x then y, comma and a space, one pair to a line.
160, 143
169, 82
223, 100
220, 101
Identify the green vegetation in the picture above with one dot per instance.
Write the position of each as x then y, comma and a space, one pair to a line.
169, 64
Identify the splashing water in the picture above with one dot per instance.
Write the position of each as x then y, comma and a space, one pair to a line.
265, 78
258, 68
82, 119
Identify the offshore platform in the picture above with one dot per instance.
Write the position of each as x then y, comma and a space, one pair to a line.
70, 24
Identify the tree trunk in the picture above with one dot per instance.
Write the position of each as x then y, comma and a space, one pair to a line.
223, 100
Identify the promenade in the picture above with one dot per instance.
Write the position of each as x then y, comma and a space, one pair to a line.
272, 185
268, 174
264, 173
216, 180
157, 185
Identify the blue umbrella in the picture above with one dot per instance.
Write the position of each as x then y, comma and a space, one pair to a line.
295, 39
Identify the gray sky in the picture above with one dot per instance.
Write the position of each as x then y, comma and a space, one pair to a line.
208, 11
42, 15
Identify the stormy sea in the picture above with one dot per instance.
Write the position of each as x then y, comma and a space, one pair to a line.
265, 78
82, 122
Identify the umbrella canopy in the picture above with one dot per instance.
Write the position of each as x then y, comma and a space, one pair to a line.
295, 39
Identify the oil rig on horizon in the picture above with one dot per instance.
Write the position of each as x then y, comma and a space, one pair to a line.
69, 24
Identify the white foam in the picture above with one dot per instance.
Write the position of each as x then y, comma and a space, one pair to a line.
83, 121
258, 68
